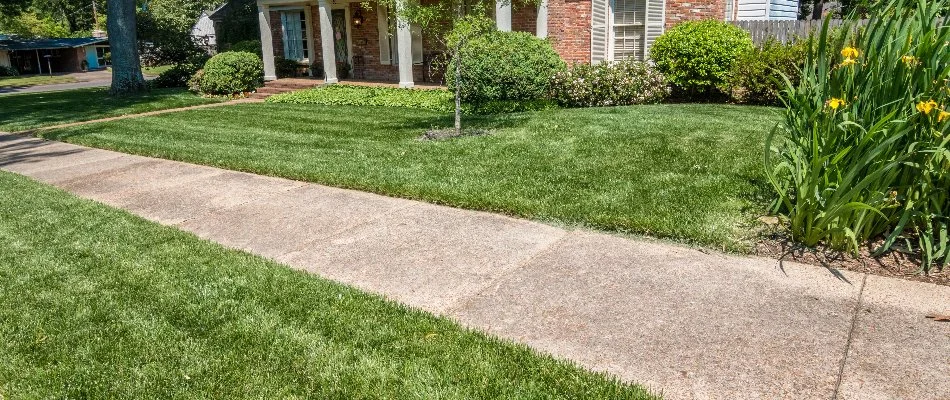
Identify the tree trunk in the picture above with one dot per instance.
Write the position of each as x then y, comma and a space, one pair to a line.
126, 70
817, 8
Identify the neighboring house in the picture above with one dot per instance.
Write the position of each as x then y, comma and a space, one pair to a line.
43, 56
365, 37
763, 9
203, 33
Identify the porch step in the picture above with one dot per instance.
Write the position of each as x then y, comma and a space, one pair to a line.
271, 88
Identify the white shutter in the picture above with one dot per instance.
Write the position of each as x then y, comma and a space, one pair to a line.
656, 22
382, 19
416, 44
599, 30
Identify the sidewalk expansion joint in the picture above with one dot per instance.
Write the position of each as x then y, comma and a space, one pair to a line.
509, 272
847, 346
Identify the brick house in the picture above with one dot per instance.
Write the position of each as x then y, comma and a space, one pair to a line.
367, 39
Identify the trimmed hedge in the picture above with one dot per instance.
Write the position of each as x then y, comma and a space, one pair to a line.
697, 56
8, 71
232, 72
348, 95
609, 84
505, 66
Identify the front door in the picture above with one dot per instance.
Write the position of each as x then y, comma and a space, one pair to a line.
339, 36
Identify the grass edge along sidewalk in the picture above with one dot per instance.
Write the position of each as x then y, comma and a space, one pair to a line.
96, 302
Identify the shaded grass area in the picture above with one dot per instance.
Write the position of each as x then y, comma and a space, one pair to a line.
687, 172
97, 303
157, 70
34, 80
34, 110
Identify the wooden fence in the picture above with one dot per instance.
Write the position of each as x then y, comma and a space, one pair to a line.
782, 31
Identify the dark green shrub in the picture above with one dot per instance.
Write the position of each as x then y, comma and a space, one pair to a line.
756, 78
8, 71
609, 84
697, 56
501, 66
232, 72
247, 46
285, 68
178, 76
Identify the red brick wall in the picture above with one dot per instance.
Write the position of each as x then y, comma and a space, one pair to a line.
569, 29
276, 33
524, 17
689, 10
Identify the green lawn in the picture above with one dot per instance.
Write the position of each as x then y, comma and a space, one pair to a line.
33, 110
156, 70
97, 303
687, 172
34, 80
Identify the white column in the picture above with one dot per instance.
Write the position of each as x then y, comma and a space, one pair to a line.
267, 42
404, 39
308, 14
542, 21
503, 15
326, 40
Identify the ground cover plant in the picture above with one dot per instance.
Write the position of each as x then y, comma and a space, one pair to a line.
34, 110
862, 152
628, 169
97, 303
349, 95
34, 80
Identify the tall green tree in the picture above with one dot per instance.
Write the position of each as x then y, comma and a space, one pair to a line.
126, 69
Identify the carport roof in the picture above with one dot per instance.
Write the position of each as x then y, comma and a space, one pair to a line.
47, 44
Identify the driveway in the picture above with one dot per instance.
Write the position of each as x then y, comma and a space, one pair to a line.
84, 80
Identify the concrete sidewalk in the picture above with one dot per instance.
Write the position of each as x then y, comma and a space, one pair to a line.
690, 324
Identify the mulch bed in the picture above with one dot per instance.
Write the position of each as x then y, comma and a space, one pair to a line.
891, 264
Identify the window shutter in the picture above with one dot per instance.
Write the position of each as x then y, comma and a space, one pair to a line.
382, 19
655, 23
416, 44
599, 33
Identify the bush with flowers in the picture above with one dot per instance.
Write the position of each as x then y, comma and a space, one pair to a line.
862, 152
609, 84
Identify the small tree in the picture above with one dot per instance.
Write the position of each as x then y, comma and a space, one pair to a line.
452, 23
465, 29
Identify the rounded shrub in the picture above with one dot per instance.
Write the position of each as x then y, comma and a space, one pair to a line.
232, 72
697, 56
249, 46
504, 66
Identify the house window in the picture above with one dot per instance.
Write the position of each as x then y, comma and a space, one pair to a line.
389, 39
294, 26
628, 29
102, 56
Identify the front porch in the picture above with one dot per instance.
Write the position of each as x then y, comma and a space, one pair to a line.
363, 42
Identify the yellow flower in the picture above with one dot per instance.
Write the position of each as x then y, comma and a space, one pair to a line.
835, 102
909, 60
926, 106
942, 116
848, 62
850, 52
